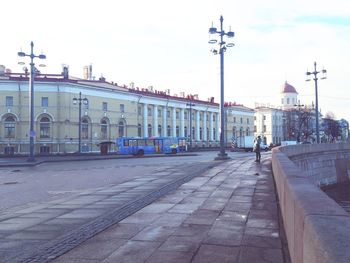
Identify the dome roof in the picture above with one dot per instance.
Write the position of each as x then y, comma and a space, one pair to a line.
287, 88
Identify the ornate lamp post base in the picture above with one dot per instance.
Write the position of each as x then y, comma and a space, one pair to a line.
221, 157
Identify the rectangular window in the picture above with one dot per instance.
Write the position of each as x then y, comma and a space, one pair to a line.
9, 101
168, 114
149, 110
122, 108
139, 130
85, 131
264, 128
247, 120
9, 129
159, 113
141, 142
45, 130
185, 115
234, 119
241, 120
104, 131
150, 142
44, 102
104, 106
139, 110
177, 115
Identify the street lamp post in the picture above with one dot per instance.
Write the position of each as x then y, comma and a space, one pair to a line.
190, 105
31, 96
85, 101
324, 76
222, 47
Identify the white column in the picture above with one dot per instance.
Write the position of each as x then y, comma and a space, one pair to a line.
211, 126
145, 120
217, 118
205, 126
174, 122
164, 121
182, 122
198, 125
155, 121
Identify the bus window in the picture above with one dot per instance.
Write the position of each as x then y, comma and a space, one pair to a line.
126, 143
141, 142
150, 142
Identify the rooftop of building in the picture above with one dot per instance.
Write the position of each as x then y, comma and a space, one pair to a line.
287, 88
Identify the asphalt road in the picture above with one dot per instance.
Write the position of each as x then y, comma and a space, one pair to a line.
26, 186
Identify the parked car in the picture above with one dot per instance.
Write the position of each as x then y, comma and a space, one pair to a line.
264, 147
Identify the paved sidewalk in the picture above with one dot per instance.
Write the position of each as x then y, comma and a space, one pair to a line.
227, 214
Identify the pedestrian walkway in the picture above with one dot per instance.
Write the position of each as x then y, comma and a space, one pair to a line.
229, 213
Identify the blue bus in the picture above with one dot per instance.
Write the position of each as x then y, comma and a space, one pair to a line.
150, 145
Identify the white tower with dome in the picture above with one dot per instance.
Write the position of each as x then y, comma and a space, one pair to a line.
289, 96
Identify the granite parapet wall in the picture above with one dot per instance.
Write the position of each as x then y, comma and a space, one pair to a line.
317, 228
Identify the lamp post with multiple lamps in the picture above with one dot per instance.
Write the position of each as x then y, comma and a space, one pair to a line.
80, 101
31, 157
324, 76
222, 47
190, 104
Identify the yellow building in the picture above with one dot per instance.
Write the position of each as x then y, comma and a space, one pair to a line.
112, 111
239, 121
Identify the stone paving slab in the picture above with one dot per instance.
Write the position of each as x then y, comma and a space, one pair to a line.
227, 214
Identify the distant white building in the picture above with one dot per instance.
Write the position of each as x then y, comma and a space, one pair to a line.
268, 123
269, 120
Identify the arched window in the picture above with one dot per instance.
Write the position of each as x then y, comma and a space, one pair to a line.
85, 128
104, 129
149, 130
121, 129
10, 126
234, 132
159, 130
139, 130
45, 127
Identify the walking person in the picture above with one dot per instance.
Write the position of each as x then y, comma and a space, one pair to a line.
257, 149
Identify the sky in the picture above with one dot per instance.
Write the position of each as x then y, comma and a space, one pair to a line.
164, 44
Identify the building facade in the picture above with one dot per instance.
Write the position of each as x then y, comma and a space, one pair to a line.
239, 121
269, 124
112, 111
